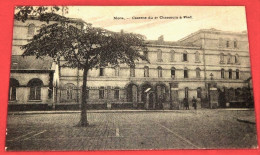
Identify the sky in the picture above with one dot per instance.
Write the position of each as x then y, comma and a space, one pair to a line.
226, 18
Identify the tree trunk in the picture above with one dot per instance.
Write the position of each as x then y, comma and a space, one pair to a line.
83, 119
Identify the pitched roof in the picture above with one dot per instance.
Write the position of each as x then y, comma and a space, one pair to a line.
31, 63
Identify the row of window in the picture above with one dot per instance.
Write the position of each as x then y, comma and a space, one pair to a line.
173, 75
172, 56
34, 85
230, 73
72, 90
230, 58
197, 57
237, 92
227, 43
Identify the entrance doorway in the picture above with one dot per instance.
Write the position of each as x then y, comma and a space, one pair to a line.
151, 101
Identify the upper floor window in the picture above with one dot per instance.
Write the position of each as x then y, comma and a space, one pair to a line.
117, 69
185, 56
221, 42
173, 72
229, 58
197, 56
230, 73
31, 29
237, 74
172, 56
221, 57
159, 55
101, 71
197, 72
235, 43
159, 71
222, 73
236, 58
35, 89
227, 44
146, 71
12, 89
186, 72
101, 93
132, 71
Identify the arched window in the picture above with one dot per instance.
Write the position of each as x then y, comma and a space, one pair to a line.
159, 71
132, 71
172, 56
101, 93
186, 92
146, 71
197, 72
198, 92
222, 73
31, 29
116, 93
13, 84
35, 89
185, 72
117, 69
197, 56
221, 42
235, 43
237, 74
70, 91
159, 55
221, 57
230, 73
229, 58
173, 72
185, 56
236, 58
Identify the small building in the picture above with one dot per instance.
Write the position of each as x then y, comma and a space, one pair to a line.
32, 83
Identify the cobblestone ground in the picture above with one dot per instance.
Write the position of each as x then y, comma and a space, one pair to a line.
131, 130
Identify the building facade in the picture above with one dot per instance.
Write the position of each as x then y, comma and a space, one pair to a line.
211, 65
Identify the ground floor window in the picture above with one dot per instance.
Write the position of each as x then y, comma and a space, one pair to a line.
199, 92
101, 93
186, 92
12, 89
12, 93
116, 93
35, 89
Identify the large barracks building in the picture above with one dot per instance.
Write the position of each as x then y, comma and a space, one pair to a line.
211, 65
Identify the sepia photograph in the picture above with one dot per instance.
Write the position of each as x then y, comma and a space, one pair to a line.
130, 78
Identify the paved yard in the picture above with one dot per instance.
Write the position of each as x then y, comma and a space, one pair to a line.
178, 129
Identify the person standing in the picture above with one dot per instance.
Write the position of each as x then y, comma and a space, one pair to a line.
186, 103
194, 103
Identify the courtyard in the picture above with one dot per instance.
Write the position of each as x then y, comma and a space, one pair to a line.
131, 130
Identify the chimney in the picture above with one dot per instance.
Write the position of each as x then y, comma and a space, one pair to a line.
161, 39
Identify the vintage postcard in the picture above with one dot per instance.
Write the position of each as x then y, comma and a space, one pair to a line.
130, 78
